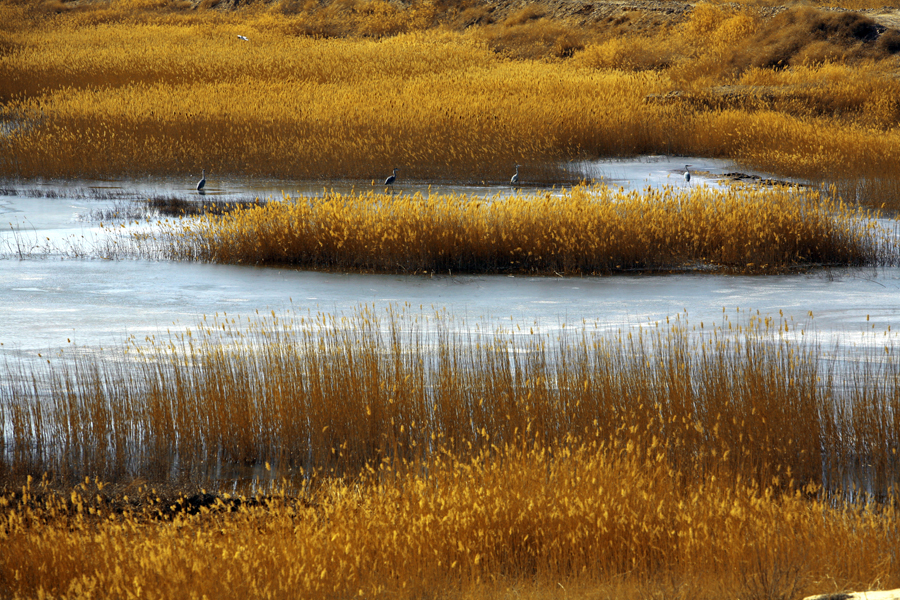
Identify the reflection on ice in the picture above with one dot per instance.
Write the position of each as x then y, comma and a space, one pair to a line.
657, 171
95, 302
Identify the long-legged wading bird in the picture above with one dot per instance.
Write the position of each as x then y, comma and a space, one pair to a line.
687, 173
202, 180
390, 180
515, 178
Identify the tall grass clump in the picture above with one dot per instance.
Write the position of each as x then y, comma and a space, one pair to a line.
580, 231
594, 521
339, 396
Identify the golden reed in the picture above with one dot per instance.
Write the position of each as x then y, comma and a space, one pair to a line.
580, 231
391, 457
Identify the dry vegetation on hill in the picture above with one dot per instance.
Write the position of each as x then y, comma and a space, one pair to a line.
449, 91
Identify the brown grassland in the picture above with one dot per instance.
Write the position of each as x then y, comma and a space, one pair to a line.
391, 456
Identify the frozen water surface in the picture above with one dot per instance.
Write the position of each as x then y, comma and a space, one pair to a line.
656, 171
45, 303
49, 304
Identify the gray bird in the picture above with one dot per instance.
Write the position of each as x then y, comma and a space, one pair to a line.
202, 180
515, 178
687, 174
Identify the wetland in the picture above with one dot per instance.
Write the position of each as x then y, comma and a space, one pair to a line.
602, 380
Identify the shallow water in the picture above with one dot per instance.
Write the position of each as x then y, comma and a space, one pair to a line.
50, 304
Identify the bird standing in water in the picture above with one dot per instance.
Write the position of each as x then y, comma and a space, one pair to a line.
515, 178
202, 180
390, 180
687, 174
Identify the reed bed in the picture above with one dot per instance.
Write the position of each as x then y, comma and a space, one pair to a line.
396, 458
100, 92
583, 230
321, 395
608, 522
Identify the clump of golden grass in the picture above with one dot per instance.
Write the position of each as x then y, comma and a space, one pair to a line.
580, 231
322, 395
528, 34
366, 18
329, 109
437, 100
596, 520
